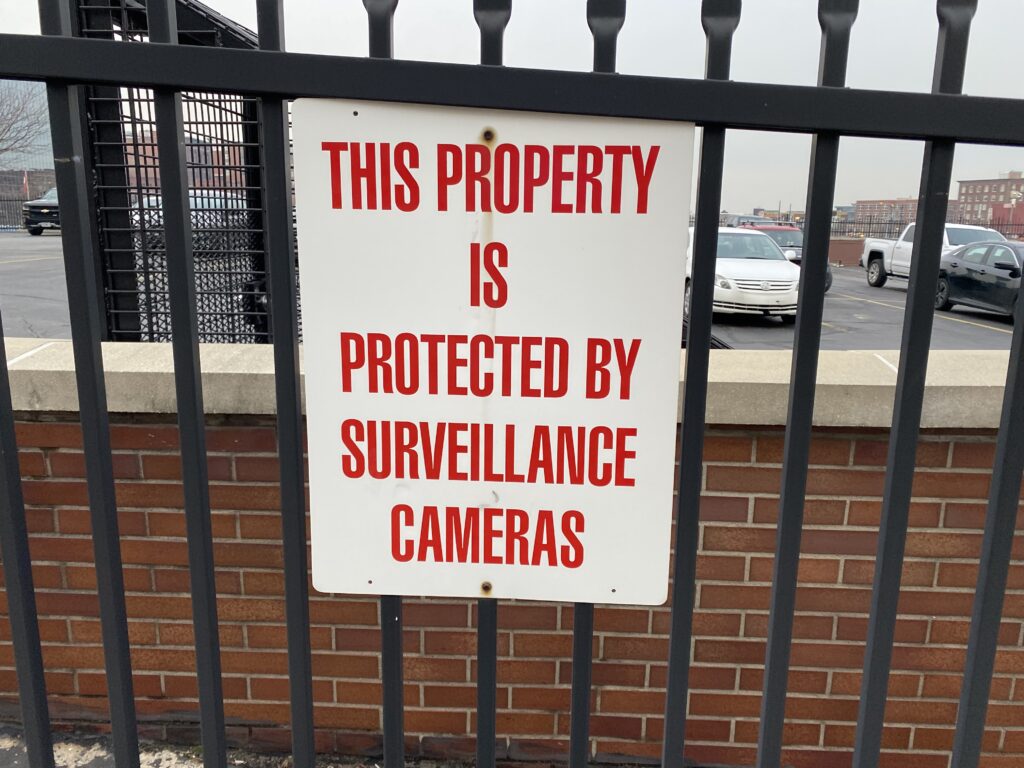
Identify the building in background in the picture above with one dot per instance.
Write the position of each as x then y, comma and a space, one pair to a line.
900, 209
994, 199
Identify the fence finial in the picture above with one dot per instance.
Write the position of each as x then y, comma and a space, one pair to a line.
492, 16
605, 19
720, 18
381, 14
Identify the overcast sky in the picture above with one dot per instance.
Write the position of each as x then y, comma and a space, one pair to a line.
892, 48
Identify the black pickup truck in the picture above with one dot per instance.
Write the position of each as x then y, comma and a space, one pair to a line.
42, 213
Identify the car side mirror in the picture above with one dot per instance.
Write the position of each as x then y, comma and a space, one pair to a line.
1008, 266
791, 255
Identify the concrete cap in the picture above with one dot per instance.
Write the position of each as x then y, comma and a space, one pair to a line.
964, 389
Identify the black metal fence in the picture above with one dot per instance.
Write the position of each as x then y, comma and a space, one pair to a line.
892, 228
941, 119
11, 218
221, 134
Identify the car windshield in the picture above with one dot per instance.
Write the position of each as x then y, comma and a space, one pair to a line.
51, 194
786, 238
735, 245
964, 236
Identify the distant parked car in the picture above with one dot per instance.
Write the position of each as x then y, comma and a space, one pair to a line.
743, 219
981, 275
752, 276
42, 213
790, 238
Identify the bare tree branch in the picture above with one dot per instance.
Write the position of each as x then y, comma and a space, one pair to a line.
24, 119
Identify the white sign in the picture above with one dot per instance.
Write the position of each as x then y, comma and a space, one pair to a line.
491, 310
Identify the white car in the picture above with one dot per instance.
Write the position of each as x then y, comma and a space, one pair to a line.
752, 275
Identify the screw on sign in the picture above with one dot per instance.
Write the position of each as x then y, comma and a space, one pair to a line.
491, 309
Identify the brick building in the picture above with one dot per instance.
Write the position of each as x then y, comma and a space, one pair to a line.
992, 199
901, 209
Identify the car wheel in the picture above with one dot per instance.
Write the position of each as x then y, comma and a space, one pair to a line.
787, 319
828, 280
35, 231
942, 301
876, 273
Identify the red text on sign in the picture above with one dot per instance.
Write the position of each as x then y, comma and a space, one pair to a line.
488, 535
372, 176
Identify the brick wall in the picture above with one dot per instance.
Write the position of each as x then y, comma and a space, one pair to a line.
631, 644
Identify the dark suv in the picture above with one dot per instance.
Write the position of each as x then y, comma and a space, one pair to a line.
41, 214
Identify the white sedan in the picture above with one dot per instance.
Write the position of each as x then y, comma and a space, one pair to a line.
752, 275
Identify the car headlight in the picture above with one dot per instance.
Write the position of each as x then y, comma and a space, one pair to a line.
721, 282
25, 209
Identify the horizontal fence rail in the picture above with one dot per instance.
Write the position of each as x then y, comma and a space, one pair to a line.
754, 106
828, 110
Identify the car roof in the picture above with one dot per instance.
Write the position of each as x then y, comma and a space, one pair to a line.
1017, 244
969, 226
740, 231
773, 227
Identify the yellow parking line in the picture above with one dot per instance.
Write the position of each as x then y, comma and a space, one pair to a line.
940, 317
22, 261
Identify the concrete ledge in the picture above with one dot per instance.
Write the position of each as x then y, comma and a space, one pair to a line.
964, 389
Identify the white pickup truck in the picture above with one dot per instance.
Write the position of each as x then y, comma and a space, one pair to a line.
891, 258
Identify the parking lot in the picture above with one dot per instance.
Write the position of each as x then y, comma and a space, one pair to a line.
33, 295
858, 316
33, 302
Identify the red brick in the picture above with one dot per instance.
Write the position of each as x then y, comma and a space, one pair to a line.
830, 451
915, 573
332, 611
975, 455
434, 721
32, 463
523, 616
547, 698
868, 513
355, 718
799, 681
448, 643
634, 648
158, 466
436, 615
427, 669
72, 464
875, 453
515, 671
728, 448
809, 570
743, 479
242, 439
48, 434
621, 620
816, 511
792, 733
144, 437
719, 539
718, 568
632, 702
961, 515
839, 542
855, 628
725, 509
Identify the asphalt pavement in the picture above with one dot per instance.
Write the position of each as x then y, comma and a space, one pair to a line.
33, 294
33, 303
858, 316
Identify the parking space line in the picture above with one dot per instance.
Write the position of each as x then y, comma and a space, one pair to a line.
887, 363
36, 258
938, 316
26, 355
